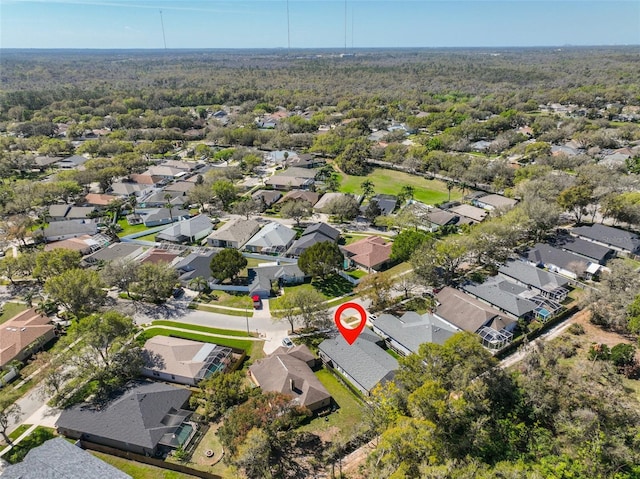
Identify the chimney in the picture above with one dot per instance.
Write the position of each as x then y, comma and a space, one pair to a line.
292, 383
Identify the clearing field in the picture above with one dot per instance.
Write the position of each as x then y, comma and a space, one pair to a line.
391, 181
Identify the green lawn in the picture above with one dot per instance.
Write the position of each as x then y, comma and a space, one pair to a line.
227, 299
203, 329
150, 237
137, 470
347, 418
19, 431
390, 182
329, 288
37, 437
229, 312
10, 310
357, 273
232, 343
399, 268
127, 229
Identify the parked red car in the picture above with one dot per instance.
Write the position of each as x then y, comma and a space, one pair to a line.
257, 302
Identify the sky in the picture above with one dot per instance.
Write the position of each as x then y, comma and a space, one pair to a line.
156, 24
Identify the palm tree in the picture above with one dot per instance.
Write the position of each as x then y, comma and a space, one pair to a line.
450, 185
199, 284
367, 188
167, 198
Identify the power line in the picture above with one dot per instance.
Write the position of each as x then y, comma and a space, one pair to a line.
288, 30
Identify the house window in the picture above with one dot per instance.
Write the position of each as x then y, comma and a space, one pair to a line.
156, 374
173, 377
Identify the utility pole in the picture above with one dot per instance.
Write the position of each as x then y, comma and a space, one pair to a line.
164, 40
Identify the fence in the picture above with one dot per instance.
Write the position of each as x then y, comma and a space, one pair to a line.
349, 278
148, 460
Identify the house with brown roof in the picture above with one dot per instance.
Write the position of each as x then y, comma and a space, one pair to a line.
493, 202
476, 215
20, 335
299, 195
183, 361
371, 254
288, 372
95, 199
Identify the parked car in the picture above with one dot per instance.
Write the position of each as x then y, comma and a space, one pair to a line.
177, 292
287, 343
257, 302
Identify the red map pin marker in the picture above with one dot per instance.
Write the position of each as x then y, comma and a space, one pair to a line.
350, 334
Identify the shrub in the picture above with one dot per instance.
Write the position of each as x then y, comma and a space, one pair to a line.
623, 354
576, 329
599, 351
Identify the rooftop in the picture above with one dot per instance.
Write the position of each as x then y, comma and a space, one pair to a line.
413, 329
20, 331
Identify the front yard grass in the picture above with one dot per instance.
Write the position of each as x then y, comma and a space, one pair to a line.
37, 437
230, 312
340, 424
203, 329
9, 310
226, 299
391, 181
137, 470
232, 343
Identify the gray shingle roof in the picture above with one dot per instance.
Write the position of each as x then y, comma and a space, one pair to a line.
548, 255
503, 295
323, 228
364, 360
57, 458
588, 249
69, 227
186, 229
194, 265
467, 312
273, 235
625, 240
114, 252
532, 276
138, 416
413, 329
306, 241
238, 230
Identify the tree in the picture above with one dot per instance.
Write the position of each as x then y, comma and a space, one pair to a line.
200, 195
353, 160
108, 356
121, 273
155, 282
450, 185
227, 264
576, 199
377, 288
321, 259
367, 188
246, 207
224, 191
405, 284
344, 207
255, 454
80, 291
305, 306
405, 243
296, 210
55, 262
437, 263
219, 392
406, 193
10, 411
372, 211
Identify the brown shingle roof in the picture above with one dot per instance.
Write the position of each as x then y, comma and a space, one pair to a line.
99, 200
369, 252
20, 331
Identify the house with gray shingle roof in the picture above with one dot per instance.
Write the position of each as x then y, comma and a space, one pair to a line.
187, 231
57, 458
474, 316
405, 334
315, 233
560, 261
592, 251
194, 265
364, 363
546, 284
285, 373
262, 277
233, 234
115, 252
273, 238
504, 295
58, 212
145, 418
61, 230
493, 202
161, 216
619, 240
267, 197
